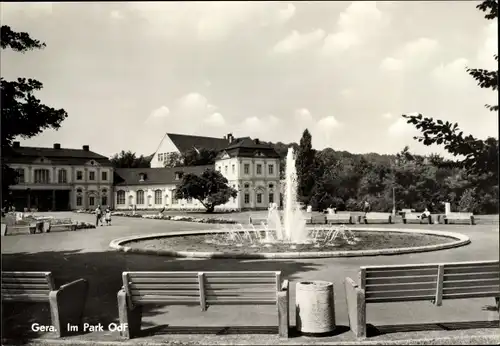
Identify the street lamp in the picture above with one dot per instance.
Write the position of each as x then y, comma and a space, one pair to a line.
393, 201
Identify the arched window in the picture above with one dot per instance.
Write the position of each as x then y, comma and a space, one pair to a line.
174, 198
79, 190
140, 197
120, 197
62, 176
158, 197
42, 176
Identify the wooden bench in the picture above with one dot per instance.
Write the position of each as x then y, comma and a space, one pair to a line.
466, 218
203, 289
66, 303
432, 282
317, 219
339, 218
257, 221
416, 218
376, 218
63, 223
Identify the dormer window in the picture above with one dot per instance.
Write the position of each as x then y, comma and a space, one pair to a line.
142, 177
271, 186
178, 175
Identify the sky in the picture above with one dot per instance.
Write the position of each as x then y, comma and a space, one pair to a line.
127, 73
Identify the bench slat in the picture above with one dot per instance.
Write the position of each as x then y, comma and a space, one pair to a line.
474, 289
232, 286
27, 286
24, 280
470, 295
472, 270
261, 294
401, 273
416, 297
470, 276
165, 300
41, 275
165, 280
238, 300
158, 274
471, 264
240, 274
165, 293
240, 280
401, 279
153, 286
25, 297
400, 267
397, 287
471, 283
406, 293
24, 291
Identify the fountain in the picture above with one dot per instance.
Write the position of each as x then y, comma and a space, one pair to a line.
286, 228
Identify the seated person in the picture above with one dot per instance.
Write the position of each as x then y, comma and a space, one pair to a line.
425, 214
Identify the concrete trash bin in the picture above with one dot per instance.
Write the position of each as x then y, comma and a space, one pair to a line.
315, 308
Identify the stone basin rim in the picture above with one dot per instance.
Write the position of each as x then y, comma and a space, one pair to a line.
459, 240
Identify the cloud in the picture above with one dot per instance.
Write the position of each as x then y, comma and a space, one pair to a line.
303, 115
116, 15
356, 25
452, 75
209, 21
387, 115
328, 123
194, 103
400, 128
297, 41
216, 119
489, 47
391, 64
347, 92
412, 54
161, 112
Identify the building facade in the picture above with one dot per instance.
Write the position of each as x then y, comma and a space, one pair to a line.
66, 179
60, 178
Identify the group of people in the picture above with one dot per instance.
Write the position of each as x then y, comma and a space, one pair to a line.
99, 215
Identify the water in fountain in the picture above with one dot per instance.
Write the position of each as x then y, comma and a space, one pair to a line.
289, 229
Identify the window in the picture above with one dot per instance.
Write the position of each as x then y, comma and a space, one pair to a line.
219, 168
140, 197
79, 175
246, 168
225, 169
158, 197
42, 176
270, 169
20, 175
79, 201
91, 200
174, 197
271, 186
91, 175
247, 198
104, 200
271, 197
142, 176
62, 176
259, 168
120, 197
178, 175
259, 198
247, 186
160, 157
104, 175
233, 169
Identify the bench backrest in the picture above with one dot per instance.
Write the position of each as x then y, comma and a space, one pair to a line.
202, 288
376, 215
338, 216
318, 218
458, 215
436, 281
257, 220
27, 286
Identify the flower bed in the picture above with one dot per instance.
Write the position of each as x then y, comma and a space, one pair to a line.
84, 225
167, 217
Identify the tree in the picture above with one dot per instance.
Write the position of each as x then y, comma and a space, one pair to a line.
481, 156
128, 159
174, 160
23, 114
210, 189
305, 167
200, 157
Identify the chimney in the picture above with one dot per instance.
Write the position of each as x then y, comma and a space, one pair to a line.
230, 137
256, 141
85, 148
57, 146
16, 145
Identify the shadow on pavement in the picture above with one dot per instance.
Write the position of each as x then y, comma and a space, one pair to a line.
372, 331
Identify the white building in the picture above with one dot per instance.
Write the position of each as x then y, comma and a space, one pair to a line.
180, 144
251, 167
60, 178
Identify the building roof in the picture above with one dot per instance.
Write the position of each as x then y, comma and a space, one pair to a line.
247, 147
63, 156
185, 143
167, 175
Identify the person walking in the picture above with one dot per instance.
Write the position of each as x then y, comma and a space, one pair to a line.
108, 217
98, 216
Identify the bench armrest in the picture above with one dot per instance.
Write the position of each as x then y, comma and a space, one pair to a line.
67, 305
356, 307
284, 286
283, 310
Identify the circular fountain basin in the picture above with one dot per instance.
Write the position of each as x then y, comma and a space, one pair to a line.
370, 242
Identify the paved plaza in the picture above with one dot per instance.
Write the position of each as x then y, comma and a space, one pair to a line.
86, 254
